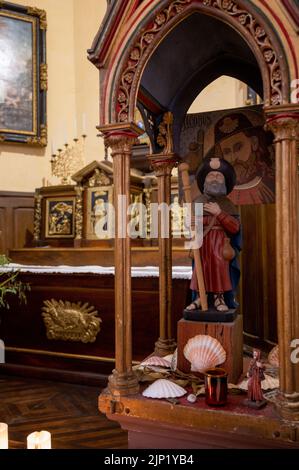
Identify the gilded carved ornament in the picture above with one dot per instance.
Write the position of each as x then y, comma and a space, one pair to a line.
42, 140
120, 144
79, 212
67, 321
140, 49
37, 217
44, 77
164, 162
42, 14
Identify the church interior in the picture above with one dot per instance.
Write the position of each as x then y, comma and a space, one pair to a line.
149, 235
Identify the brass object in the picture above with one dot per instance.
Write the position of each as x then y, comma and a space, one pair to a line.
79, 213
67, 321
44, 77
66, 355
165, 137
42, 14
68, 160
37, 217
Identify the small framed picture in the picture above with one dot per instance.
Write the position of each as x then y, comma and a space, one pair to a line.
60, 217
100, 215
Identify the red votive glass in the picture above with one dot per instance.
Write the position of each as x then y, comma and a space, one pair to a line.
216, 386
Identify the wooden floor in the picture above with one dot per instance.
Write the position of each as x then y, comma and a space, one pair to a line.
68, 412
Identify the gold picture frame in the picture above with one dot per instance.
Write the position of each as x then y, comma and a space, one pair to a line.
60, 217
23, 79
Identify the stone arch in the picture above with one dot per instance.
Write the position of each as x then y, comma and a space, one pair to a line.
246, 19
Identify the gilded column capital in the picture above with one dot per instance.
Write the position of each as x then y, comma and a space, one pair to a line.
120, 137
283, 122
163, 164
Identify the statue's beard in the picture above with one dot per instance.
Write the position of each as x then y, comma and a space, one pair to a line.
214, 188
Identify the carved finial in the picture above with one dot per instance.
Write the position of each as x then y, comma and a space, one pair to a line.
165, 137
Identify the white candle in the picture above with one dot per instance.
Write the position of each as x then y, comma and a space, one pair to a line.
75, 128
39, 440
3, 436
84, 124
65, 135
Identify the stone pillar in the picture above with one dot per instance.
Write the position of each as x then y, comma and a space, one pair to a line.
163, 166
284, 123
120, 139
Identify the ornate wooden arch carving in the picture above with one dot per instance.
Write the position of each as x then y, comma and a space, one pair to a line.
244, 19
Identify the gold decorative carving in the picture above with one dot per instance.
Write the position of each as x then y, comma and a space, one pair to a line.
99, 178
67, 321
148, 200
44, 77
165, 137
161, 22
42, 139
120, 144
37, 217
42, 14
79, 213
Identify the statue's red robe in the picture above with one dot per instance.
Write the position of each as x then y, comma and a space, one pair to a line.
215, 267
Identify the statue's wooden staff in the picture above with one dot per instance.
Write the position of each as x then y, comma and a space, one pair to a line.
184, 169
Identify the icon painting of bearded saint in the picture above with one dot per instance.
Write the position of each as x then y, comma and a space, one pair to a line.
249, 150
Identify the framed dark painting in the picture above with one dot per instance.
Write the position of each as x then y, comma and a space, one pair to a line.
23, 75
60, 217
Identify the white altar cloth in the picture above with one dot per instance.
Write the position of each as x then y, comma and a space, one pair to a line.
178, 272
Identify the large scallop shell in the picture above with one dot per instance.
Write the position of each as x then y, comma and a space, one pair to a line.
204, 352
156, 361
163, 388
273, 357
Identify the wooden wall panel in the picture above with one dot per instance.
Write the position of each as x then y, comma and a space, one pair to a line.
23, 218
2, 230
258, 283
16, 220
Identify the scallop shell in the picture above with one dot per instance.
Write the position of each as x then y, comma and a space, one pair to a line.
163, 388
156, 361
204, 352
273, 357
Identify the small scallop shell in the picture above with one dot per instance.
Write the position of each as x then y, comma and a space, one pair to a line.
163, 388
156, 361
204, 352
273, 357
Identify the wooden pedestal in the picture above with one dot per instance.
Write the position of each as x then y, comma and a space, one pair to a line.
230, 335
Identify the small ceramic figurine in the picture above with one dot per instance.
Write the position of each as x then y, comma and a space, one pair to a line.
256, 375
